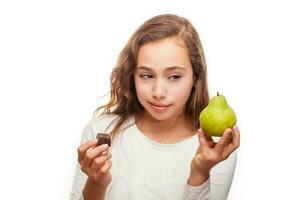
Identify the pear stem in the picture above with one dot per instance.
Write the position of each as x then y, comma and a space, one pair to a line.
218, 94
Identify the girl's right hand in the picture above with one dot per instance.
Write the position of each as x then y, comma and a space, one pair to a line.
210, 153
95, 162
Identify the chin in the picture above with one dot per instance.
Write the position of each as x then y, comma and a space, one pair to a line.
160, 116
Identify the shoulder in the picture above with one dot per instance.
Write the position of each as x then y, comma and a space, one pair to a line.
103, 123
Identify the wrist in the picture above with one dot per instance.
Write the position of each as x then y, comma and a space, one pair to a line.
94, 183
200, 169
197, 179
94, 190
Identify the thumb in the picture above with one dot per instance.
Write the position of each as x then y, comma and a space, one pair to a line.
201, 137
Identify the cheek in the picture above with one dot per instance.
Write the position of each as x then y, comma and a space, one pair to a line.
184, 95
141, 89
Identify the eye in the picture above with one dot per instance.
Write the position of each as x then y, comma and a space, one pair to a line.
175, 77
145, 76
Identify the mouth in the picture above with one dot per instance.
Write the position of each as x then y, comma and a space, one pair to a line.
159, 107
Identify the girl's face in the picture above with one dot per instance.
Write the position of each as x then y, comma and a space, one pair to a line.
163, 78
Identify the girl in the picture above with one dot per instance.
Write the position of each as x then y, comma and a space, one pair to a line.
158, 151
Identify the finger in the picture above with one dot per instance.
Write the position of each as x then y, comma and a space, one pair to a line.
105, 168
223, 141
229, 140
234, 144
236, 137
208, 137
210, 142
201, 137
82, 149
92, 154
104, 152
99, 162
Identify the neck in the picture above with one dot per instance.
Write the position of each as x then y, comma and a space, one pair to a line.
170, 130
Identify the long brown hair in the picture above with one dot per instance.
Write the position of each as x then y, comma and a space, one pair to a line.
123, 99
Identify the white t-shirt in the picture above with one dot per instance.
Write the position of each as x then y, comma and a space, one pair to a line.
143, 169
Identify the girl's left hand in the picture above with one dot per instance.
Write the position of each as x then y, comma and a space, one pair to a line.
210, 153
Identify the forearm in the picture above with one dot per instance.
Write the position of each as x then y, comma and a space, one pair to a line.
93, 191
197, 179
197, 187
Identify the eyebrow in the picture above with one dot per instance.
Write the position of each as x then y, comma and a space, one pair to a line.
167, 69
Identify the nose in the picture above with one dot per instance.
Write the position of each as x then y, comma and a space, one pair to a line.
159, 90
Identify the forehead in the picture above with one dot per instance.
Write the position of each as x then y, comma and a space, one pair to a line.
168, 55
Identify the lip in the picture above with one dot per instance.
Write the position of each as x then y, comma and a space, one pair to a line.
159, 108
159, 104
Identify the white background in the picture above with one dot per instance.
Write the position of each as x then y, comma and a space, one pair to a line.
56, 58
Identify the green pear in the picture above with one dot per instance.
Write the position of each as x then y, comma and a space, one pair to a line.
217, 116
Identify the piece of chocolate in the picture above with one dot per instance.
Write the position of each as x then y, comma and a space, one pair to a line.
103, 138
